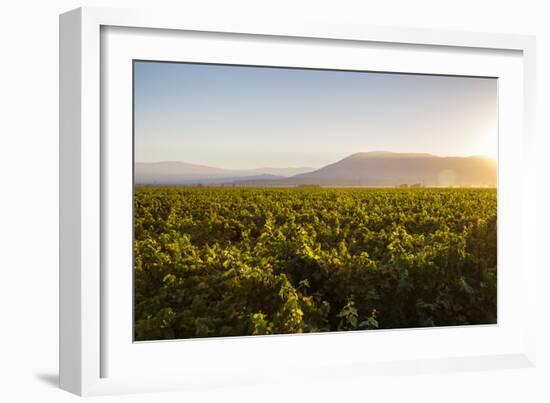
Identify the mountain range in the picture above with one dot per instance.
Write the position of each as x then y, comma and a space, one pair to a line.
375, 168
182, 173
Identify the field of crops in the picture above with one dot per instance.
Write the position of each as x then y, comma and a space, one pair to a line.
242, 261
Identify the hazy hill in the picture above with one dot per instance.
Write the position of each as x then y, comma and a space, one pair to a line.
173, 173
376, 168
382, 168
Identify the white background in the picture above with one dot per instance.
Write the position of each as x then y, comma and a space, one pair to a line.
28, 199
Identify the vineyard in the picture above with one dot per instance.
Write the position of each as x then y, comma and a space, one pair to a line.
244, 261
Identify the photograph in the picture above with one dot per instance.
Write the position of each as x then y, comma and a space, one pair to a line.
272, 200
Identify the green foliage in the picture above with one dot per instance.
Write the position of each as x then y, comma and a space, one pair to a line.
242, 261
348, 317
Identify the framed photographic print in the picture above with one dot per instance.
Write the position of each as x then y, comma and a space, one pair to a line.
238, 197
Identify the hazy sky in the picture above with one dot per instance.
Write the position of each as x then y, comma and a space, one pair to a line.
252, 117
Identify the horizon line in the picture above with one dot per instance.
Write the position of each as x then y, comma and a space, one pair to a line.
310, 167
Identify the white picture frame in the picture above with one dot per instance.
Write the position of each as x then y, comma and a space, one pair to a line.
98, 357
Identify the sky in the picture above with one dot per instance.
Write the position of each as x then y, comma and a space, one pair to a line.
244, 117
